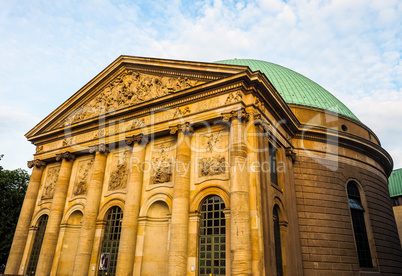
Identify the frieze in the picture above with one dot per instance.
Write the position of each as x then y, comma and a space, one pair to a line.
39, 149
50, 184
136, 123
86, 136
163, 117
234, 97
128, 89
180, 112
208, 104
67, 142
80, 187
128, 125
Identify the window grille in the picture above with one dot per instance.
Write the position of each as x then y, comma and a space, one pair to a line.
37, 245
110, 243
212, 238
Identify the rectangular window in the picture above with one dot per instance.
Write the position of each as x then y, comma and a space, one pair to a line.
273, 164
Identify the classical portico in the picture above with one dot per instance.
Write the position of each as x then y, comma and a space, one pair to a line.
163, 167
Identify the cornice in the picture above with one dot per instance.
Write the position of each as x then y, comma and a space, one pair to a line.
207, 70
349, 141
186, 96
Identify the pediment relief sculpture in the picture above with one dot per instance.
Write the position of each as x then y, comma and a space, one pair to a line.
50, 184
128, 89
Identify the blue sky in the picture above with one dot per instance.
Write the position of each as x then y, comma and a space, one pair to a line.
50, 49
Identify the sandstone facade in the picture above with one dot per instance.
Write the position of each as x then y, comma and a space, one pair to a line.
161, 167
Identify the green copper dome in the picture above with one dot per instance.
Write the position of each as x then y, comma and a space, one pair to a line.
395, 183
295, 88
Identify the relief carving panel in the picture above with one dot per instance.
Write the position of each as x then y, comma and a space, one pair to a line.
118, 177
212, 154
162, 162
81, 182
50, 183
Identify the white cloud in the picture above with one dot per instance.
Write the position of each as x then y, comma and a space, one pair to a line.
352, 48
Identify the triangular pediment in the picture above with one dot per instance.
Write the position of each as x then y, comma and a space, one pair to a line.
129, 88
128, 82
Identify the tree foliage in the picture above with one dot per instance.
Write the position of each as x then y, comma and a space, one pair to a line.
13, 185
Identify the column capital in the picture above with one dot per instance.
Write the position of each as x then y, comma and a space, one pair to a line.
241, 114
66, 156
187, 128
102, 148
37, 163
259, 121
290, 153
140, 139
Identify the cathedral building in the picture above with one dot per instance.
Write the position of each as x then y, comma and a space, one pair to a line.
238, 167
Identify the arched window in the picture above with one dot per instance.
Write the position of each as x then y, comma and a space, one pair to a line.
359, 225
110, 243
278, 244
212, 237
37, 245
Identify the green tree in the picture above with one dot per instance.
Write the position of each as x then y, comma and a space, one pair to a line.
13, 185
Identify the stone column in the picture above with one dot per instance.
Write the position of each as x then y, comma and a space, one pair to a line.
129, 227
239, 195
56, 213
21, 232
178, 252
88, 226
